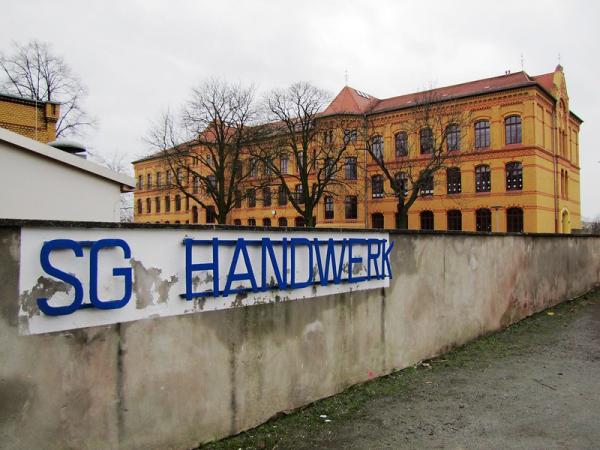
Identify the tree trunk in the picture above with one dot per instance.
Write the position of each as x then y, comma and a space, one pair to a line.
401, 217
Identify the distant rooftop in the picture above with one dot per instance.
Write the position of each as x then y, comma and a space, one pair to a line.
8, 96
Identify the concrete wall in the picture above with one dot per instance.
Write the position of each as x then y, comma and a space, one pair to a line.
178, 381
41, 188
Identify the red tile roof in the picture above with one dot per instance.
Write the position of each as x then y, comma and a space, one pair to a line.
350, 100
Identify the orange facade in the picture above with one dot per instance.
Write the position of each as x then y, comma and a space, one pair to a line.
518, 168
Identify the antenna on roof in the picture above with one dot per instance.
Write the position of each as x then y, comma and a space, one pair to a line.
522, 63
346, 77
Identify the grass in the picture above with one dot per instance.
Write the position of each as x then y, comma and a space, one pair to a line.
301, 424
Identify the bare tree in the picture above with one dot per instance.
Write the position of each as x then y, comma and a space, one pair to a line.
297, 132
33, 71
205, 152
429, 142
118, 162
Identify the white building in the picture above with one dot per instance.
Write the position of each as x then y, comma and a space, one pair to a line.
38, 181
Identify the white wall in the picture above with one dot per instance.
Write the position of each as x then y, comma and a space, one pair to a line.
35, 187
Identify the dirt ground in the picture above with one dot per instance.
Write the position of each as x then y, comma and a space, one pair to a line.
535, 385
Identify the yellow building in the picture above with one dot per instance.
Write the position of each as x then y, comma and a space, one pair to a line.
36, 120
518, 168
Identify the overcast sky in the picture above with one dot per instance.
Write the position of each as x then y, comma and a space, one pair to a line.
139, 57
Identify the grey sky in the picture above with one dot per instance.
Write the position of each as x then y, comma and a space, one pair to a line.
139, 57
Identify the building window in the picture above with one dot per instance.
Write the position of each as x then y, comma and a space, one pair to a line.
328, 207
454, 217
514, 220
283, 164
149, 180
453, 180
157, 204
266, 222
238, 199
267, 167
377, 146
158, 180
267, 196
179, 176
177, 203
426, 220
482, 134
329, 166
299, 222
377, 186
169, 178
140, 183
253, 167
196, 184
282, 222
282, 198
251, 222
350, 135
483, 220
512, 130
251, 196
426, 141
211, 216
514, 176
299, 194
401, 144
350, 171
148, 206
211, 184
328, 137
351, 207
167, 203
377, 221
427, 186
139, 206
483, 180
453, 137
401, 183
237, 222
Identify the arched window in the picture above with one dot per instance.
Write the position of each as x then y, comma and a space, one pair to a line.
350, 170
139, 206
377, 221
299, 221
210, 214
157, 204
149, 180
195, 184
426, 141
299, 194
266, 222
251, 222
453, 137
426, 220
282, 222
401, 144
453, 180
514, 220
377, 186
351, 207
237, 222
514, 176
177, 202
401, 179
167, 203
148, 205
483, 180
328, 207
377, 146
282, 198
140, 182
482, 134
454, 217
512, 130
483, 220
251, 196
267, 196
427, 186
158, 180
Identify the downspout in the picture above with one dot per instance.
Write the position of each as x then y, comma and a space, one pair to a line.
555, 162
366, 188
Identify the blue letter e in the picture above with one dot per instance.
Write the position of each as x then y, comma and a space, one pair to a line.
47, 248
124, 272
